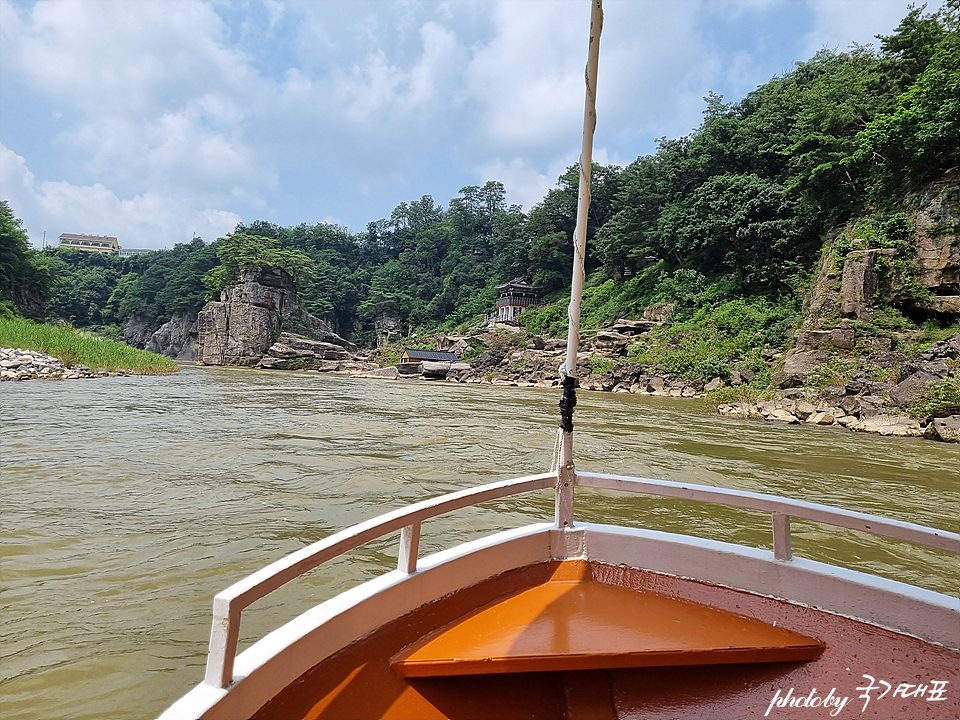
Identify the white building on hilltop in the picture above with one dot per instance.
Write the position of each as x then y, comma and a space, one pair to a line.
89, 243
98, 243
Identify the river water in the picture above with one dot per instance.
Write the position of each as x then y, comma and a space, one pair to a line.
127, 503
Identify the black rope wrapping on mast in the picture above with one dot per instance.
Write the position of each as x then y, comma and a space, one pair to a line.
568, 401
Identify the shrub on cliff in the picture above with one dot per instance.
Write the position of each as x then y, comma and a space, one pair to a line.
240, 251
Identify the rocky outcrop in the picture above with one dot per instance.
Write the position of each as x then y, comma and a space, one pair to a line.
139, 328
938, 247
611, 343
920, 275
242, 327
946, 429
908, 390
858, 284
456, 344
17, 364
797, 367
176, 339
635, 327
293, 352
386, 322
30, 303
659, 312
871, 406
860, 415
841, 338
434, 370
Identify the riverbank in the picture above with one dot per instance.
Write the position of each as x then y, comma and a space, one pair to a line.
870, 389
35, 350
850, 407
19, 364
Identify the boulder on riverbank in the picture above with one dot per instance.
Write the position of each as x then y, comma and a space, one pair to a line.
293, 352
870, 406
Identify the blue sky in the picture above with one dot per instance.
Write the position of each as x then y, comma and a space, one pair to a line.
152, 120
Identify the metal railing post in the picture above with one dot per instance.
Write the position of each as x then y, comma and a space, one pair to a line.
566, 477
409, 549
781, 536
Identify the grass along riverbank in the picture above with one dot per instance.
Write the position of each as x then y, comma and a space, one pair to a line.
73, 347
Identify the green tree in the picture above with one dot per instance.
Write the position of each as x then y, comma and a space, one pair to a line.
24, 275
239, 252
126, 298
921, 137
82, 287
734, 224
914, 42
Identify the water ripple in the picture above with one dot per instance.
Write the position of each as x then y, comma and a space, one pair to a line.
127, 503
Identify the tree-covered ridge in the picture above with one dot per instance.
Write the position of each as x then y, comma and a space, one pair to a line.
742, 203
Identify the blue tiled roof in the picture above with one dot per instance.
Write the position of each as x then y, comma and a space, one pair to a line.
438, 355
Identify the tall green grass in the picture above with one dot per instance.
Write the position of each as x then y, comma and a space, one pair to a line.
75, 348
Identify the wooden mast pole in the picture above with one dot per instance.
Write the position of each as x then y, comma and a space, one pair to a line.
568, 372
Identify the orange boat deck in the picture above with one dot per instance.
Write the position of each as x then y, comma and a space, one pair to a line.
582, 639
574, 623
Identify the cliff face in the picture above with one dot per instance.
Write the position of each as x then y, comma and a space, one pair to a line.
868, 288
176, 339
251, 314
917, 274
938, 247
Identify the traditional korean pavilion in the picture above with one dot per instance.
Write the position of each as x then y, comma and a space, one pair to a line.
515, 298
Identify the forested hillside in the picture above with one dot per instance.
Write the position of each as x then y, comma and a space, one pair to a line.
736, 211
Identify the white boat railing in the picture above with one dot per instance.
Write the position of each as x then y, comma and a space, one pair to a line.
229, 604
781, 510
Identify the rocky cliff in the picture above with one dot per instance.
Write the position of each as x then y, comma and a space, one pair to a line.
245, 324
877, 281
176, 338
911, 263
139, 328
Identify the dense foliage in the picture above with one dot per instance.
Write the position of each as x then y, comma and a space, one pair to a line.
24, 275
736, 211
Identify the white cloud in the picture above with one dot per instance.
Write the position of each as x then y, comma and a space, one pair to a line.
152, 220
16, 181
526, 81
123, 57
379, 89
840, 23
297, 110
525, 184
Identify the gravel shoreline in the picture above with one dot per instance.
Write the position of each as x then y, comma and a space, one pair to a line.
20, 364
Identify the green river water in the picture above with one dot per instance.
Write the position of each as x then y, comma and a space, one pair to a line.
127, 503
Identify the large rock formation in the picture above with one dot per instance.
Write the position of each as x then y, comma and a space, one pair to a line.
386, 322
249, 317
139, 328
860, 282
938, 246
176, 339
292, 352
